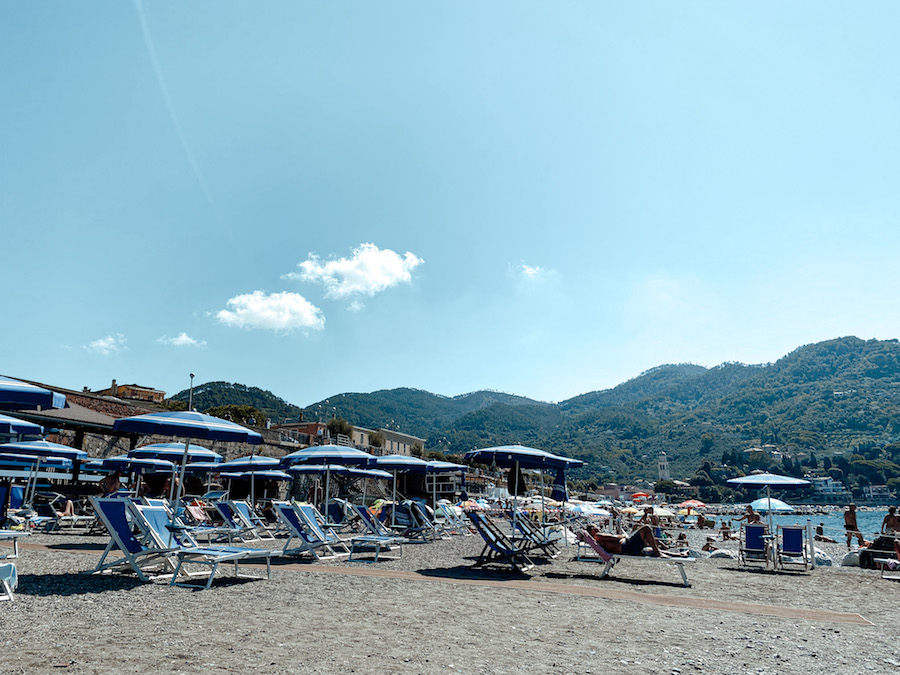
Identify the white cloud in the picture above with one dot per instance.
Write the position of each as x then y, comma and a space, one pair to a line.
111, 344
368, 271
532, 272
181, 340
282, 312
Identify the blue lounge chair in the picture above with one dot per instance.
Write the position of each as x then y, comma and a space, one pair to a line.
498, 548
379, 540
311, 540
535, 538
792, 550
155, 523
250, 518
147, 562
754, 547
246, 532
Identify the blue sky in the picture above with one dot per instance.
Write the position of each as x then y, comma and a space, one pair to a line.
540, 198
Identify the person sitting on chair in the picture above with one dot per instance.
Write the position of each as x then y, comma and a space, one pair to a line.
110, 484
68, 510
709, 546
634, 545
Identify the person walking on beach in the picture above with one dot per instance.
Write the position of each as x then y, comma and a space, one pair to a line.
851, 526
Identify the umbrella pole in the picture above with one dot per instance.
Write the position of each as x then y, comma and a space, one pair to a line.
327, 492
175, 493
394, 502
543, 499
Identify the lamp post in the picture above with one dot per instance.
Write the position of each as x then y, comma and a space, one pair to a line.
191, 395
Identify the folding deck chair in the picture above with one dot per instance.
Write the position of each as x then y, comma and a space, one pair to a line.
312, 540
792, 548
534, 537
610, 559
207, 531
423, 520
248, 516
754, 548
402, 523
155, 523
377, 541
147, 562
453, 523
497, 546
245, 531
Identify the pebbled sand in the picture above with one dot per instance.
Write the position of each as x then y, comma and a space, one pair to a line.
432, 613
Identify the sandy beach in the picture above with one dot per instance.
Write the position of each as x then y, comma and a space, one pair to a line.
430, 612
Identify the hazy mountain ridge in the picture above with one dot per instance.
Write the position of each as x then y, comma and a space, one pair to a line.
829, 397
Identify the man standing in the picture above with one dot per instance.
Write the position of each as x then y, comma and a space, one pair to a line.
851, 526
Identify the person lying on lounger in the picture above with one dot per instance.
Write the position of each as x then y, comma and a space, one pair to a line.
639, 540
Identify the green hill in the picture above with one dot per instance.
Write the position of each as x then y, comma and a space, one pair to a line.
836, 397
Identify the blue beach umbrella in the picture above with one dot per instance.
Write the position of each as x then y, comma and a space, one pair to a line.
44, 449
34, 463
771, 505
250, 464
15, 394
400, 464
186, 425
328, 454
518, 457
175, 451
16, 427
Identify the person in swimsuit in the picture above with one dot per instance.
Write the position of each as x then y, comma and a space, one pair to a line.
639, 540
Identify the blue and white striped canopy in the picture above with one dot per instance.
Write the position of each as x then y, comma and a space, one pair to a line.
405, 463
329, 454
508, 456
17, 394
44, 449
761, 480
187, 425
31, 460
12, 425
249, 463
133, 464
174, 452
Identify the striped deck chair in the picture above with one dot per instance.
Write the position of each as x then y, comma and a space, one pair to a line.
155, 523
379, 540
498, 548
533, 536
147, 562
311, 540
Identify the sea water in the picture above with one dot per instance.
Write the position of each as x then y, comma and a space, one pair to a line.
869, 523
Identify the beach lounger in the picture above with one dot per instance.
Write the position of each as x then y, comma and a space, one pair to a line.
249, 517
401, 521
792, 550
379, 541
147, 562
423, 520
498, 548
754, 548
246, 532
9, 580
374, 526
453, 523
311, 540
611, 559
208, 532
155, 523
534, 536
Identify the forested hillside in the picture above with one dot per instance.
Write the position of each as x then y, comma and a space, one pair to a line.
836, 397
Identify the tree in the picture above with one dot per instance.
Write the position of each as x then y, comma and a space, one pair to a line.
826, 463
813, 464
376, 439
339, 426
239, 414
